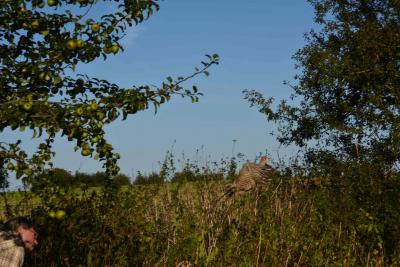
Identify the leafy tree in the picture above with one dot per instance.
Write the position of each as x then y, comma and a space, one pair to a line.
347, 91
91, 179
3, 176
99, 179
56, 176
63, 179
121, 180
347, 116
152, 178
41, 44
186, 175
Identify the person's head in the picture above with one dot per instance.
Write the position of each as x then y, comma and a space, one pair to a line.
26, 229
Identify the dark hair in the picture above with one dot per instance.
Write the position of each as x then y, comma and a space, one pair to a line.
14, 223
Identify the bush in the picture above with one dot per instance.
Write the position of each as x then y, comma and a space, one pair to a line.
293, 222
61, 178
305, 221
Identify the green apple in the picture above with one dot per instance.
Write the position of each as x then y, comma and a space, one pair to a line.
85, 146
45, 76
27, 106
79, 111
100, 114
114, 49
35, 24
80, 43
95, 27
86, 152
57, 79
107, 49
72, 44
95, 139
42, 75
28, 171
52, 2
93, 105
60, 214
41, 5
10, 166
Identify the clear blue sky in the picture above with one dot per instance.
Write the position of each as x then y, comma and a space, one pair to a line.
255, 40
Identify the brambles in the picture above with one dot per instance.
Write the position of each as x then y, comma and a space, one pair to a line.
288, 219
282, 224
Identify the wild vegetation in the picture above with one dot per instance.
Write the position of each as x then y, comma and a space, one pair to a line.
346, 113
64, 179
337, 204
292, 221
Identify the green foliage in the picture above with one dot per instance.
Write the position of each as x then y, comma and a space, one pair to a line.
348, 85
313, 221
55, 177
152, 178
121, 180
41, 44
346, 117
64, 179
190, 171
3, 175
293, 222
100, 179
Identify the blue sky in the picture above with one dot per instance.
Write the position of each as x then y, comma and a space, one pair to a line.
255, 40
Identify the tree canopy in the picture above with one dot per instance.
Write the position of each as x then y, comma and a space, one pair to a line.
41, 45
347, 97
64, 179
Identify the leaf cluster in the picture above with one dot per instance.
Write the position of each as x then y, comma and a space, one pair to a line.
346, 95
41, 45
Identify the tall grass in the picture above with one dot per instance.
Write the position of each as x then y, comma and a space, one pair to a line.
290, 222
